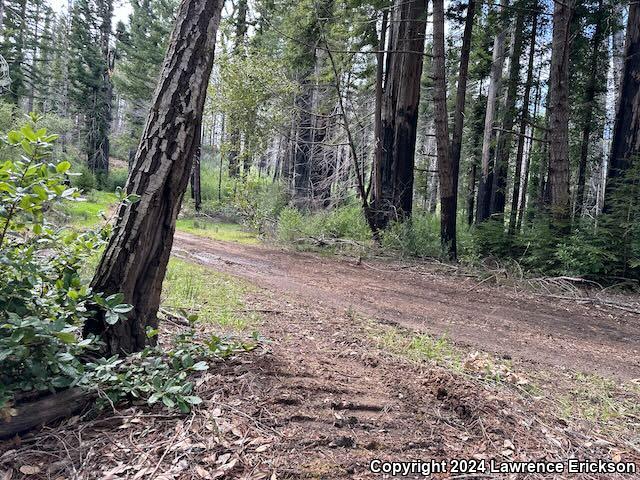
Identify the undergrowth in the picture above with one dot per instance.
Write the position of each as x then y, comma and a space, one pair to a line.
215, 297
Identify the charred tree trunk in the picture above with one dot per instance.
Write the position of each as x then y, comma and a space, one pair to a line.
136, 257
394, 199
559, 118
503, 150
590, 97
625, 146
495, 79
447, 167
524, 119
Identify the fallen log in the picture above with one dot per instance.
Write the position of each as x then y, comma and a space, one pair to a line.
30, 415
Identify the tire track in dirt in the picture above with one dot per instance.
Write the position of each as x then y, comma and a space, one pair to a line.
561, 334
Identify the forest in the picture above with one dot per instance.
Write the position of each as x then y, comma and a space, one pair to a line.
319, 239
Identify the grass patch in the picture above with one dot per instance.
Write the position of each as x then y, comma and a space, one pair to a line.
420, 347
599, 400
87, 213
213, 296
227, 232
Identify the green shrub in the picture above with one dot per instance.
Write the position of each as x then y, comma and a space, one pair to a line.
43, 302
417, 237
117, 178
345, 222
84, 180
290, 224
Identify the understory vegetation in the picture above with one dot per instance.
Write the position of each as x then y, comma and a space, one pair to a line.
49, 236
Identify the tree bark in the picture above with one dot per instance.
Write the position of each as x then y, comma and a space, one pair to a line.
234, 136
136, 257
503, 149
495, 79
99, 145
394, 200
376, 169
559, 118
625, 145
196, 190
447, 168
523, 128
589, 102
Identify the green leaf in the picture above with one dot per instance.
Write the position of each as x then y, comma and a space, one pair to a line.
192, 399
200, 366
63, 167
111, 318
66, 337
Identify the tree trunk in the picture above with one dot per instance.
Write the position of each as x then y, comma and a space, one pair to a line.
136, 257
523, 128
589, 101
376, 178
503, 150
196, 190
99, 148
476, 131
394, 200
524, 195
238, 46
559, 118
447, 168
495, 79
625, 145
617, 47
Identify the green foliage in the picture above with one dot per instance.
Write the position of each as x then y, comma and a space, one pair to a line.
217, 230
216, 298
117, 178
142, 45
346, 222
162, 376
43, 302
418, 237
259, 202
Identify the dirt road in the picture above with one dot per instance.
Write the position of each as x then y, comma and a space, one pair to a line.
557, 333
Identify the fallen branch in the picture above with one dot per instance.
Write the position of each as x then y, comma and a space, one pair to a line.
596, 301
40, 412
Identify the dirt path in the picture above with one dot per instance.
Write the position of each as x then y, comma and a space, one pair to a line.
558, 333
322, 397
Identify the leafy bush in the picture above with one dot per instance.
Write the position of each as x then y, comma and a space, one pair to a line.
290, 224
117, 178
158, 376
43, 302
84, 180
418, 237
346, 222
259, 202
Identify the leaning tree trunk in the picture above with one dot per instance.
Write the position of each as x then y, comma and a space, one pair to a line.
495, 78
447, 168
136, 257
559, 118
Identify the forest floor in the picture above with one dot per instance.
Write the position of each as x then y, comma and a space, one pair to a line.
368, 359
379, 359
